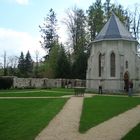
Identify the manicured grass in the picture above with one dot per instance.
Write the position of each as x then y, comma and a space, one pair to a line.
101, 108
36, 93
52, 89
23, 119
134, 134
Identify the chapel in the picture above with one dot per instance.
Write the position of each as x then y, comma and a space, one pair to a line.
113, 59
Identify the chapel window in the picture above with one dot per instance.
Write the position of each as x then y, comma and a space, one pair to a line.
100, 64
126, 64
112, 65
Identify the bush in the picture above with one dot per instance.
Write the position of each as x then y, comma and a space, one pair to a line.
6, 82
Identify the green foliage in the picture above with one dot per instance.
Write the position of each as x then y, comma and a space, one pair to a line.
80, 31
21, 65
63, 69
28, 65
24, 119
95, 18
79, 66
122, 13
6, 82
25, 65
51, 63
101, 108
48, 31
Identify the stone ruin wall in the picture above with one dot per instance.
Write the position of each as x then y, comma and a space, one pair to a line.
47, 83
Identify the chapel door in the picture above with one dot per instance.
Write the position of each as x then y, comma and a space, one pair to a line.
126, 81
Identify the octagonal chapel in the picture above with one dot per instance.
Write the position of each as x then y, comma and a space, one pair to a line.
113, 59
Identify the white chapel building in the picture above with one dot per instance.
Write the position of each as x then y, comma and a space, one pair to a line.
113, 59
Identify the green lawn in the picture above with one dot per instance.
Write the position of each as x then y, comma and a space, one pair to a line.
101, 108
36, 93
134, 134
23, 119
52, 89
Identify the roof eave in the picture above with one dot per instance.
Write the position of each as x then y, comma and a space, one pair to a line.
115, 39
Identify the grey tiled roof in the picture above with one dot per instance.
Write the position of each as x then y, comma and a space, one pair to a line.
114, 30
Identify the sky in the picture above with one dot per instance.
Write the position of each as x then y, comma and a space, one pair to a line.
19, 21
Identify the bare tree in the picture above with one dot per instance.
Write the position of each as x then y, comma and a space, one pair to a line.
69, 21
5, 63
12, 61
136, 23
37, 63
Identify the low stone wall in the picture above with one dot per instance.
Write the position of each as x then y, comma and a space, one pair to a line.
47, 83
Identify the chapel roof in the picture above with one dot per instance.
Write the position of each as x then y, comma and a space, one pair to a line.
114, 30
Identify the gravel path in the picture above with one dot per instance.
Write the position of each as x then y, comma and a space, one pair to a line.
65, 125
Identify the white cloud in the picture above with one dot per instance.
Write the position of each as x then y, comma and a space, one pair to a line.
77, 1
20, 2
13, 42
23, 2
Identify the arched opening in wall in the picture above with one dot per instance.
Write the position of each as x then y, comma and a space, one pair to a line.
126, 81
100, 57
112, 65
126, 64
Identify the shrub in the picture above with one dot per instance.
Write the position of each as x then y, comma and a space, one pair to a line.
6, 82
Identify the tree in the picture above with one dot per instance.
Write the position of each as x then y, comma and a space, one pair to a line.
79, 66
21, 65
36, 67
118, 9
95, 18
28, 65
48, 30
63, 65
136, 23
77, 27
107, 9
12, 63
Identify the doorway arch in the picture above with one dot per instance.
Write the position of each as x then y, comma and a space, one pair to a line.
126, 81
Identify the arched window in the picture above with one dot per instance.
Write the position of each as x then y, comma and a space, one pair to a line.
126, 64
112, 65
100, 55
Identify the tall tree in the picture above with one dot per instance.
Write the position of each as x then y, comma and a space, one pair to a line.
63, 64
21, 65
118, 9
107, 9
36, 68
28, 65
48, 30
5, 64
136, 23
79, 66
51, 63
76, 24
95, 18
77, 27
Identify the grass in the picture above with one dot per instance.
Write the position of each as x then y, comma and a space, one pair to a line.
23, 119
51, 89
134, 134
36, 93
101, 108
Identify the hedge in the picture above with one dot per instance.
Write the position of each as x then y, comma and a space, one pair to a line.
6, 82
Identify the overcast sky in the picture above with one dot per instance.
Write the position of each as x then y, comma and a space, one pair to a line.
19, 21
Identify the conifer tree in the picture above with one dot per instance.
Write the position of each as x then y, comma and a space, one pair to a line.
21, 65
48, 30
63, 64
28, 65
